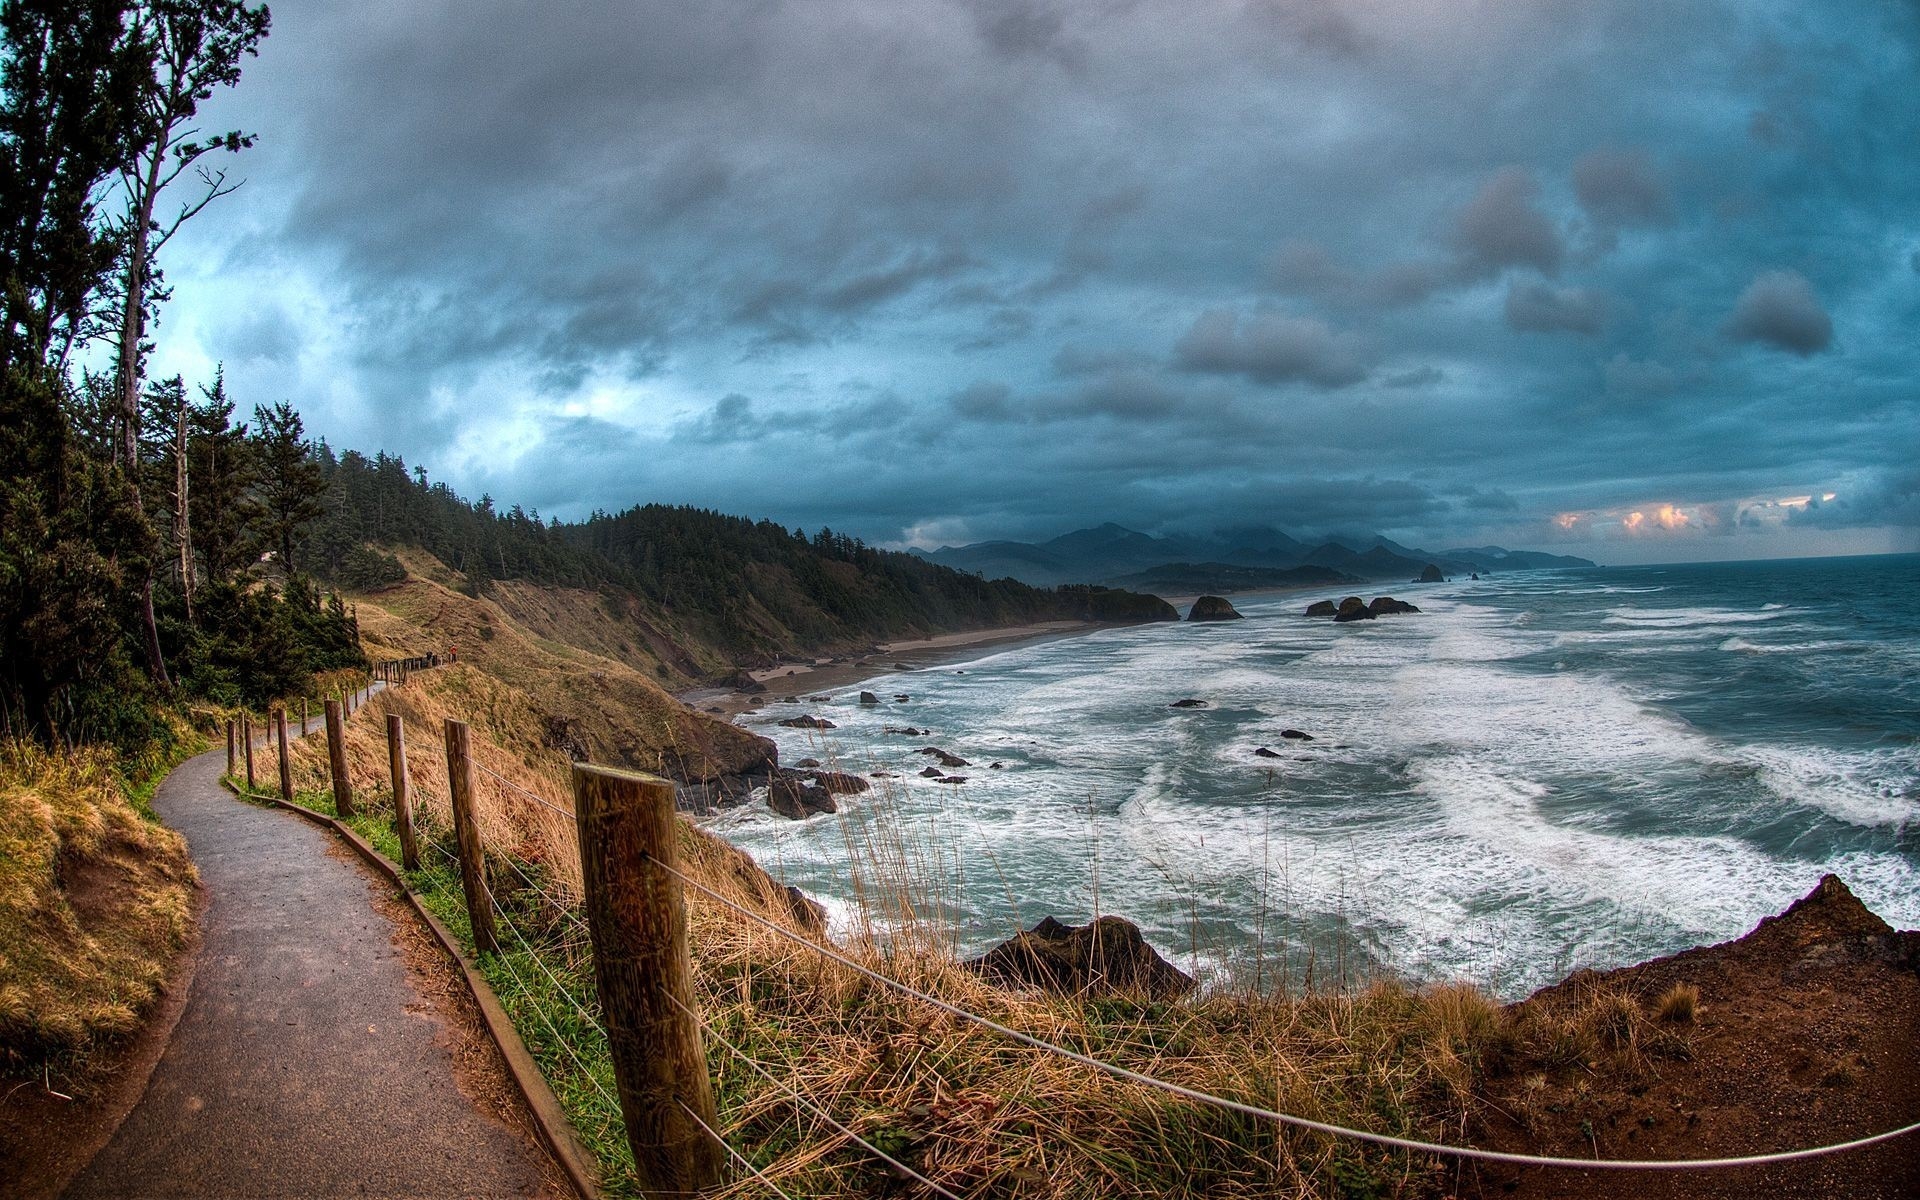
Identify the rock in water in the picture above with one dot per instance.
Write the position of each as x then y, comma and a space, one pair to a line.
1296, 735
1263, 752
809, 721
1212, 608
1322, 608
951, 761
808, 762
839, 783
1188, 703
1108, 955
1431, 574
1386, 606
932, 773
1353, 608
799, 799
869, 698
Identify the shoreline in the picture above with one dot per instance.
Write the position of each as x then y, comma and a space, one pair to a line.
837, 673
829, 673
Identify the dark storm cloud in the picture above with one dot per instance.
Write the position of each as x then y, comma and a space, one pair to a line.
1543, 308
1503, 226
1618, 186
1271, 347
1779, 309
1004, 266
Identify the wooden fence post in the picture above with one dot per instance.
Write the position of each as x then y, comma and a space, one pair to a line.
233, 748
402, 792
246, 744
286, 763
466, 835
637, 918
337, 759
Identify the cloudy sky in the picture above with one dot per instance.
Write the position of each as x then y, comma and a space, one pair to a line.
1640, 280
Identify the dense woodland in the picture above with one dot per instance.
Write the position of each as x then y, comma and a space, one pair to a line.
748, 589
146, 537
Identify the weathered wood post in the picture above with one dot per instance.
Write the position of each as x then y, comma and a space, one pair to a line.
402, 793
286, 763
246, 743
637, 917
303, 716
337, 759
466, 836
233, 748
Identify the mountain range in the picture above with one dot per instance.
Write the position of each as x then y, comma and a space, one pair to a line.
1226, 560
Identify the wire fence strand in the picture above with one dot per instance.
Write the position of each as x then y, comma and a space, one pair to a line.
1299, 1122
806, 1103
737, 1157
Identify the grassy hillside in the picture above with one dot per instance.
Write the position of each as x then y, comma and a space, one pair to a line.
558, 669
96, 899
681, 592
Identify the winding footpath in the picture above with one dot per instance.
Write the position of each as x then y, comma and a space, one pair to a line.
305, 1062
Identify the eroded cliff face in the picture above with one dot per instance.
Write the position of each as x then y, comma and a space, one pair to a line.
1801, 1033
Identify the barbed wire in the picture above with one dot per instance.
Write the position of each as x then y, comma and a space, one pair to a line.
1253, 1110
805, 1102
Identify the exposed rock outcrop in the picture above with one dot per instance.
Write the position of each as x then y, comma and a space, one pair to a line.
1387, 606
1107, 955
1212, 608
1322, 608
1353, 608
808, 721
799, 799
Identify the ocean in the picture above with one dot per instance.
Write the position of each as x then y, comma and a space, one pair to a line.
1539, 771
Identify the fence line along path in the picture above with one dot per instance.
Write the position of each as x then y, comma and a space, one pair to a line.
305, 1062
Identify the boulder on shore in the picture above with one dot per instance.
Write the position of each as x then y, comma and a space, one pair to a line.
1107, 955
808, 913
1386, 606
743, 681
1322, 608
1212, 608
808, 721
1353, 608
799, 799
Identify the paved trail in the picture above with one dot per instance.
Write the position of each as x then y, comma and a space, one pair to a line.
305, 1062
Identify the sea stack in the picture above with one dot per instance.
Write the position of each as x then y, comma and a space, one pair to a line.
1212, 608
1432, 574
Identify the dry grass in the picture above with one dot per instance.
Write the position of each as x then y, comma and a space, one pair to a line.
982, 1115
95, 902
1679, 1004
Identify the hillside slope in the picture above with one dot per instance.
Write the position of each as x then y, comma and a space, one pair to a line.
562, 670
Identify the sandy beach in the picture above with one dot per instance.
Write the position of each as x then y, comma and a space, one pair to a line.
825, 676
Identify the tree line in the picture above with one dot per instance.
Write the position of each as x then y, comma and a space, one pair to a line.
147, 539
747, 589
